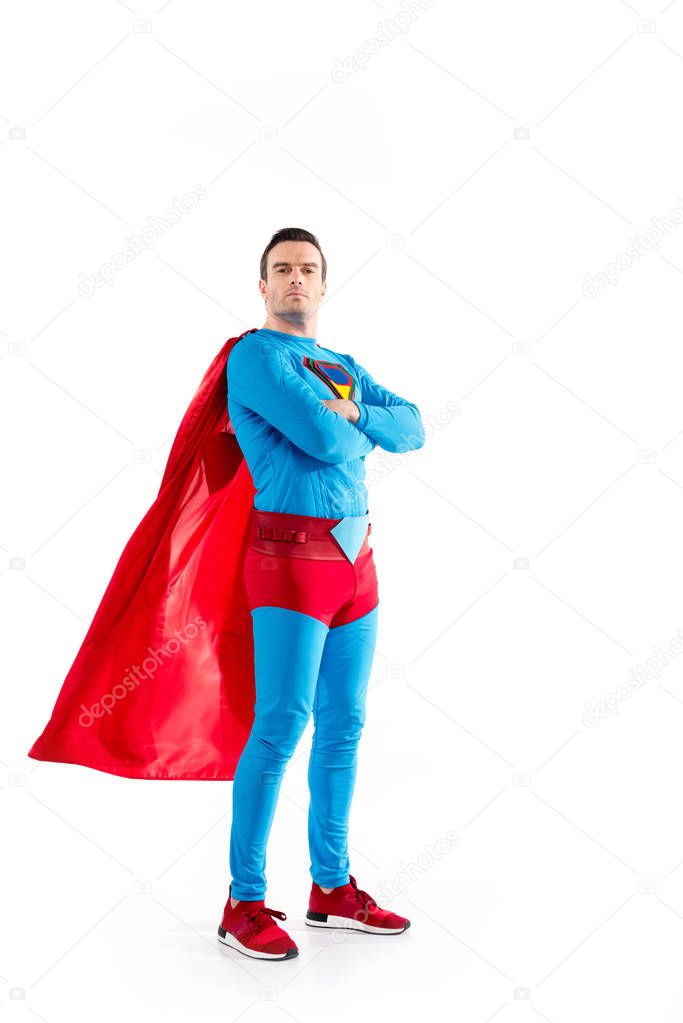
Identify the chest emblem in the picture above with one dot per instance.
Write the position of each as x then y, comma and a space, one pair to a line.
338, 379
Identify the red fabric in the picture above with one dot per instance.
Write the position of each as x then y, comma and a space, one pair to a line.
314, 578
163, 684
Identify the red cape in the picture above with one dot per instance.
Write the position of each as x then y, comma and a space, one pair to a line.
163, 684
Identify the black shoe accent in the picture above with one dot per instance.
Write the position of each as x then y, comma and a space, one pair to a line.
320, 917
221, 932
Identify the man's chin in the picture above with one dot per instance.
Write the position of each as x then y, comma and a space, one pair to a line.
294, 317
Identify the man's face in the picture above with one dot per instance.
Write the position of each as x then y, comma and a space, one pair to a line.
294, 288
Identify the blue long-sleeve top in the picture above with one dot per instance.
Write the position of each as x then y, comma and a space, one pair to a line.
303, 457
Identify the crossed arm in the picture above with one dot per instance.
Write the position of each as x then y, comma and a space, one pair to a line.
391, 421
262, 379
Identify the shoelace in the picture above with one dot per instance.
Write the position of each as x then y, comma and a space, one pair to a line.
256, 915
363, 897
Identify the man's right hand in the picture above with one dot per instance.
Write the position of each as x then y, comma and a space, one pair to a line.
343, 407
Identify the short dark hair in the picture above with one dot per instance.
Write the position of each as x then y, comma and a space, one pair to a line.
291, 234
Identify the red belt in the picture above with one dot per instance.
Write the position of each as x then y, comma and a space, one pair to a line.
305, 536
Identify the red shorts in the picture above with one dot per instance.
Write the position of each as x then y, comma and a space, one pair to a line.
293, 561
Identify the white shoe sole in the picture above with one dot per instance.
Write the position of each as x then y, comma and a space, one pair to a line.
346, 923
231, 941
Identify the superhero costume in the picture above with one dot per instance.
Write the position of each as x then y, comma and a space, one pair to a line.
311, 584
184, 571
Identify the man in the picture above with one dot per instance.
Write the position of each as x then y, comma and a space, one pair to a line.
247, 597
305, 417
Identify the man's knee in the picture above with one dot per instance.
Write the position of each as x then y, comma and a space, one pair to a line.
279, 733
339, 738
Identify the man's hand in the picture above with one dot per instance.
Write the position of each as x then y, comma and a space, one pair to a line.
343, 407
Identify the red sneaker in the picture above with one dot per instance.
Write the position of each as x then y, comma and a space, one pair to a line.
249, 927
350, 908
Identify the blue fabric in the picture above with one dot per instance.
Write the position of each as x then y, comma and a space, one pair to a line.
303, 457
301, 666
350, 533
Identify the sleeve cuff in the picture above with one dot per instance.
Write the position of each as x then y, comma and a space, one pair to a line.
363, 418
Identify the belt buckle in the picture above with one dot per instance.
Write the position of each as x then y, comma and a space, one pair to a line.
279, 533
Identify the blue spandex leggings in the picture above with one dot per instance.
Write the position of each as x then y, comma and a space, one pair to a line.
301, 665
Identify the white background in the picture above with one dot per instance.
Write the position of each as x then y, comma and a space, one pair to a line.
468, 175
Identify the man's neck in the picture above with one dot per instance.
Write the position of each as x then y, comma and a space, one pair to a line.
305, 329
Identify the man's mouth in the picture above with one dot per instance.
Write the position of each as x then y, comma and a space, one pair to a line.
295, 293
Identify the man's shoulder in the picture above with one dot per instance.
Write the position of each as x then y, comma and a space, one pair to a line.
252, 350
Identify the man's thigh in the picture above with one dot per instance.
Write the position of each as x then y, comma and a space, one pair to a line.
344, 673
288, 649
